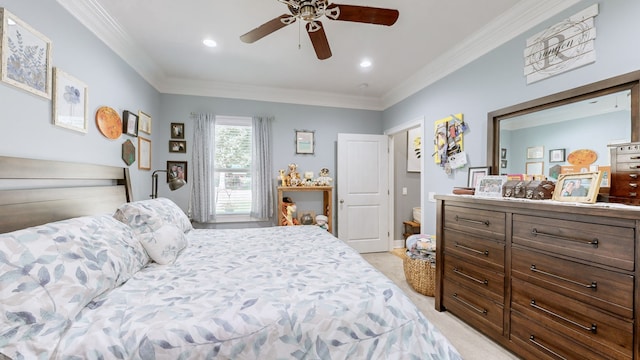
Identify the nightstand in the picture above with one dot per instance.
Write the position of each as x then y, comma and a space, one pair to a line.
410, 228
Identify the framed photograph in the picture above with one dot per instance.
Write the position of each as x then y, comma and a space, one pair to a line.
534, 168
26, 56
490, 186
69, 101
177, 169
477, 173
144, 122
414, 150
503, 164
578, 187
177, 146
556, 155
535, 152
503, 153
129, 123
305, 142
144, 153
177, 130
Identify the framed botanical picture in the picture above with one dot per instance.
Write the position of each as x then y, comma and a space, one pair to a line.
305, 142
26, 56
177, 130
477, 173
177, 169
144, 153
556, 155
144, 122
69, 101
535, 152
129, 123
490, 186
578, 187
177, 146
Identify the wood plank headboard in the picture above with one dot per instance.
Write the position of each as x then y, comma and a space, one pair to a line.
35, 192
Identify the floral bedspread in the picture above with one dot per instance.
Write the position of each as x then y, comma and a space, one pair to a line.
265, 293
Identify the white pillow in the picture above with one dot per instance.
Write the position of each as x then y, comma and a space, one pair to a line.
164, 244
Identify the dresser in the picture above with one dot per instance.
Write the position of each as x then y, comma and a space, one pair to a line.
546, 280
625, 174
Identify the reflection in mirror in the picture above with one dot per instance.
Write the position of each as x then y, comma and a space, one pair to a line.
546, 134
590, 124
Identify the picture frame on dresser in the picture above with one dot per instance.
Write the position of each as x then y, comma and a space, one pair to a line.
477, 173
490, 186
578, 187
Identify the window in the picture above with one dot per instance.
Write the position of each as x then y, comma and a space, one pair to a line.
232, 173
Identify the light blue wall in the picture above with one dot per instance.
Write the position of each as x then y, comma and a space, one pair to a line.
496, 80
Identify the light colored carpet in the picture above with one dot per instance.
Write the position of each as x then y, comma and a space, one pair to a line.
470, 343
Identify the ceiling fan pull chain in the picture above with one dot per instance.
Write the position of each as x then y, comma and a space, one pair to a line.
299, 32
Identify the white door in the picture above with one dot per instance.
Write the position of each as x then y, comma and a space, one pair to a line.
363, 191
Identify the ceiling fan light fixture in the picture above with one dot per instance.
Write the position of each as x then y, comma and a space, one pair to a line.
307, 12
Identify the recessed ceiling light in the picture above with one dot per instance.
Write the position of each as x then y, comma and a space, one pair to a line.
365, 63
209, 43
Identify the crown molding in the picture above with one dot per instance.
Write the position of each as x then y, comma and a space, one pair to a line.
515, 21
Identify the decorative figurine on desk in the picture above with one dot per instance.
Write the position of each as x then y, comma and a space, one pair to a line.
321, 220
324, 179
282, 178
287, 217
293, 178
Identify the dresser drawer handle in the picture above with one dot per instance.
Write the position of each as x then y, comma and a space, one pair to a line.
633, 194
593, 285
633, 176
479, 222
593, 242
483, 282
634, 166
485, 253
593, 328
479, 311
533, 340
634, 157
633, 185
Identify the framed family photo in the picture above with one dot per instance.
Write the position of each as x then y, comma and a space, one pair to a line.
177, 146
177, 130
578, 187
490, 186
177, 169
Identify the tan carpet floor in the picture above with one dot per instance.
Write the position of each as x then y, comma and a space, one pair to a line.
470, 343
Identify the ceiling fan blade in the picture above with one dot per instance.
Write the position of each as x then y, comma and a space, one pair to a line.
319, 40
362, 14
267, 28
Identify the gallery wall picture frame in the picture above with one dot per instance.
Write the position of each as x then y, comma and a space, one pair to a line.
414, 150
534, 168
557, 155
177, 130
503, 153
490, 186
177, 169
477, 173
129, 123
144, 153
503, 164
22, 47
305, 142
128, 152
578, 187
535, 152
69, 100
144, 122
177, 146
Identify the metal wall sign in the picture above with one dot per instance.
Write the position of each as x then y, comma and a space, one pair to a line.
562, 47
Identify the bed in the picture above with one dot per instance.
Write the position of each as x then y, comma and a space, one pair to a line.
133, 280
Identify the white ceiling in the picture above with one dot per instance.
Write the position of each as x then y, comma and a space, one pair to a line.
162, 40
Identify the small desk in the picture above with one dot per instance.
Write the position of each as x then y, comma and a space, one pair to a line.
327, 198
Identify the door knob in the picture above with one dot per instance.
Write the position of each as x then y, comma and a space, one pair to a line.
341, 201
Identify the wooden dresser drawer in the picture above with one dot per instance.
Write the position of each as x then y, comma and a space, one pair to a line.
534, 341
625, 184
485, 282
608, 290
582, 323
599, 243
485, 223
481, 312
489, 253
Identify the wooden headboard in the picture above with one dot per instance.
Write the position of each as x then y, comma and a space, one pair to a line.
35, 192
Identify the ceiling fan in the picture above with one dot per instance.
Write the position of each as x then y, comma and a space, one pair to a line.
311, 10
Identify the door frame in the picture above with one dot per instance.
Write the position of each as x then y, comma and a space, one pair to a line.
390, 132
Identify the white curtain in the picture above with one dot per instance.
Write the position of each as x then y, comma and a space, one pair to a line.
202, 195
261, 178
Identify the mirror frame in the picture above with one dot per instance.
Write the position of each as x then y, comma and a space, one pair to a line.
629, 81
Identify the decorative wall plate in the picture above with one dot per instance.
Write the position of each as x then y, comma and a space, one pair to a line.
582, 157
109, 122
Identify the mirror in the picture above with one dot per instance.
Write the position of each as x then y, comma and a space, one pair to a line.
537, 137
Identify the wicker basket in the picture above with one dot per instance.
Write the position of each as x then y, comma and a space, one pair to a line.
420, 274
